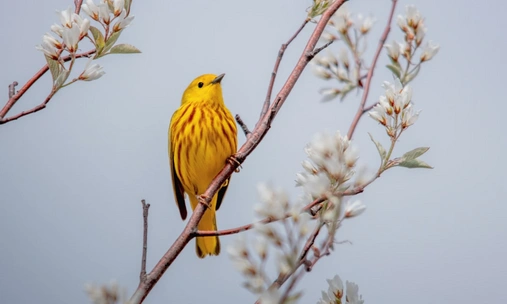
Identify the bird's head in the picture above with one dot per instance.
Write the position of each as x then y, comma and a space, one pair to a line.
205, 88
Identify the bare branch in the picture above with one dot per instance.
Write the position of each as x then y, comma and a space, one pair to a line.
78, 4
243, 125
146, 208
284, 46
12, 89
13, 99
361, 110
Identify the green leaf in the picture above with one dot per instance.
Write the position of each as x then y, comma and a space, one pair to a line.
111, 41
415, 153
408, 78
128, 3
413, 163
60, 80
380, 149
346, 90
395, 69
99, 40
124, 49
54, 68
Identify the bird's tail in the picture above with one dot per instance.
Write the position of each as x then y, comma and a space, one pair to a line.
209, 245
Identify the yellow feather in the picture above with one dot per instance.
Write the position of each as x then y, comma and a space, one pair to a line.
202, 135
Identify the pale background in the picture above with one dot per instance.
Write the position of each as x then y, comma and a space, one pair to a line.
73, 174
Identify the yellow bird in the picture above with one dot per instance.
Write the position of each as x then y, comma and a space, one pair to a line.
202, 136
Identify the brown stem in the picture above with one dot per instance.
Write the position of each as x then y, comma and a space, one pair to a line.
12, 101
243, 125
78, 3
261, 128
146, 208
12, 88
284, 46
361, 110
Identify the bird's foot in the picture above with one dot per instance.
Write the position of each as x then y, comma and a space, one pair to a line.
203, 200
232, 160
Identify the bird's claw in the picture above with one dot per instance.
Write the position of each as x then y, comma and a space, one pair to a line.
232, 160
202, 199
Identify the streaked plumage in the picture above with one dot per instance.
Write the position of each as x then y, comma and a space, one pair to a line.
202, 135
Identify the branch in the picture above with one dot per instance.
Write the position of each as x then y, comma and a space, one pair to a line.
146, 208
267, 220
260, 130
78, 3
13, 99
243, 125
361, 110
284, 46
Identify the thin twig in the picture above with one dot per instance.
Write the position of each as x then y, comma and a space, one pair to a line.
318, 50
243, 125
12, 100
284, 46
260, 130
12, 88
267, 220
361, 109
78, 3
146, 208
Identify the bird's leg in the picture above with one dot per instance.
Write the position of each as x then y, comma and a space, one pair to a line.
202, 199
232, 160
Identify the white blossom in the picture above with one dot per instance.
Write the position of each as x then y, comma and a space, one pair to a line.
413, 16
321, 72
82, 23
57, 29
91, 72
429, 51
365, 23
104, 13
354, 208
274, 202
71, 37
48, 49
393, 50
91, 9
353, 296
409, 117
118, 7
122, 22
65, 17
334, 292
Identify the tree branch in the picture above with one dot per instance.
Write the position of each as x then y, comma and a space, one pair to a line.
260, 130
146, 208
13, 99
284, 46
243, 125
361, 110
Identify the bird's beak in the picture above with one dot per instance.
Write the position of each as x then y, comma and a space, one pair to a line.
218, 78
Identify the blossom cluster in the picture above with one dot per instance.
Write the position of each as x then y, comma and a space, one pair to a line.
414, 30
395, 110
281, 241
113, 17
352, 31
335, 292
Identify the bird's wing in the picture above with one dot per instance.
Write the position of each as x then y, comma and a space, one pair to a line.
179, 194
221, 194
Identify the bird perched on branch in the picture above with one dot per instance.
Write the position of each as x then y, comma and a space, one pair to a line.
202, 137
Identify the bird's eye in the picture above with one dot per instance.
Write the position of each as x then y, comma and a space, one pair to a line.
200, 84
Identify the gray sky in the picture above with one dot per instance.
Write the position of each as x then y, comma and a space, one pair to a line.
73, 174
